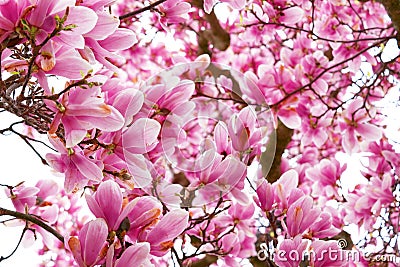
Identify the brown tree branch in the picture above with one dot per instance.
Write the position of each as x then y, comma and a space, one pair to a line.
272, 157
32, 219
216, 35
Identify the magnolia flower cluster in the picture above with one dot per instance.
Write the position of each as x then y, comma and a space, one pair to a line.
161, 143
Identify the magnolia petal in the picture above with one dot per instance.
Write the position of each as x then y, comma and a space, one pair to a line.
88, 168
105, 26
109, 197
138, 169
113, 122
290, 118
128, 103
71, 67
83, 18
292, 15
369, 132
94, 206
169, 227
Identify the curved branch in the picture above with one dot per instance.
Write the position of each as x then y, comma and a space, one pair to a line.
136, 12
33, 220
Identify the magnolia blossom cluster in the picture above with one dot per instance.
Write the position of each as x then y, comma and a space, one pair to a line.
161, 143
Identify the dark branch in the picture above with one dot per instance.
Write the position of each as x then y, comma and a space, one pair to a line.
138, 11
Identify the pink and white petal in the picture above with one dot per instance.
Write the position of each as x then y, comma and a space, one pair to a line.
236, 4
290, 118
349, 142
50, 214
83, 18
58, 6
369, 132
290, 180
105, 26
74, 246
71, 67
110, 256
39, 13
208, 5
47, 188
140, 135
87, 168
128, 103
73, 137
292, 15
321, 86
169, 227
56, 162
92, 238
138, 169
94, 206
320, 137
70, 40
113, 122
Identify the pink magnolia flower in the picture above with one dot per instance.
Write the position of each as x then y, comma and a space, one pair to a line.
56, 59
291, 252
244, 130
323, 227
357, 123
80, 110
301, 216
90, 246
140, 138
265, 196
368, 200
314, 131
145, 214
216, 177
80, 20
11, 12
22, 196
221, 139
325, 175
106, 203
173, 11
292, 15
284, 186
78, 168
